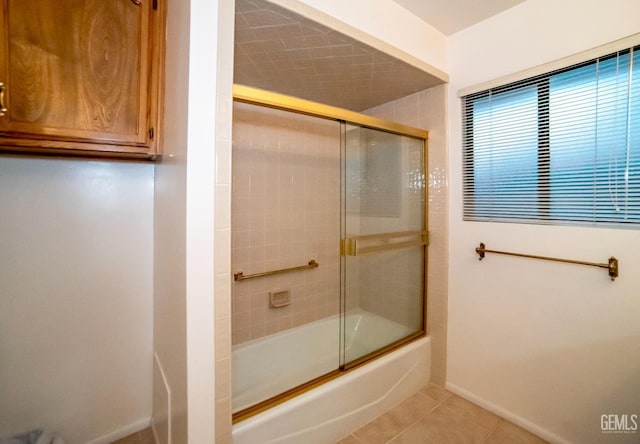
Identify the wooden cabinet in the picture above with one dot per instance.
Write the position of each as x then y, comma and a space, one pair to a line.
81, 77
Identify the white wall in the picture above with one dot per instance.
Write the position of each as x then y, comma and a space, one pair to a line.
551, 346
196, 156
169, 228
75, 297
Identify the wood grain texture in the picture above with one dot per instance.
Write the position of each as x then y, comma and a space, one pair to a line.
80, 71
109, 66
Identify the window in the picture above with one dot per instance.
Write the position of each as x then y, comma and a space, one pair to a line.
563, 147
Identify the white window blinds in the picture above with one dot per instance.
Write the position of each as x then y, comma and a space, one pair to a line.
556, 148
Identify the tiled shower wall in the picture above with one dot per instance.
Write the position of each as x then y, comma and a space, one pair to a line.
285, 212
427, 110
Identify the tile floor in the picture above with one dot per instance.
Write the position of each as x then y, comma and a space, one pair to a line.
433, 416
436, 416
142, 437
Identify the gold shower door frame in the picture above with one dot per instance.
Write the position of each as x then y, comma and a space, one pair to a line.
270, 99
255, 96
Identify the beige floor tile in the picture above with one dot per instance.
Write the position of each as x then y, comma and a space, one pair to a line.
473, 412
397, 419
146, 436
443, 426
412, 409
131, 439
349, 440
508, 433
142, 437
380, 430
435, 392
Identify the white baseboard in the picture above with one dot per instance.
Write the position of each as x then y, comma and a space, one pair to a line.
509, 416
135, 427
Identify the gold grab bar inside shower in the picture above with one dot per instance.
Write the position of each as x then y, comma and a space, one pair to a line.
357, 245
239, 276
612, 265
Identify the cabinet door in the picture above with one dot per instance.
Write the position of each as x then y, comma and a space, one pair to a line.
77, 72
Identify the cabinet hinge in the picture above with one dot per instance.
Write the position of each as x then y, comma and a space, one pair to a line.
155, 4
151, 133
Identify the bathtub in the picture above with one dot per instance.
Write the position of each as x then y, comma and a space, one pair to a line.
325, 414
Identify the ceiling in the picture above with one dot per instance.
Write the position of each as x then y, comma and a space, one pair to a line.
279, 50
450, 16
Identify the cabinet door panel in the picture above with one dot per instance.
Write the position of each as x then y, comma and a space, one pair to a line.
76, 70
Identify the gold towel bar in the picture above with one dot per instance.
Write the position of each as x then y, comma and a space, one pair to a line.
239, 276
370, 243
612, 265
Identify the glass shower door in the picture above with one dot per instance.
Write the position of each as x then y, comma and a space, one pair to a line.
383, 241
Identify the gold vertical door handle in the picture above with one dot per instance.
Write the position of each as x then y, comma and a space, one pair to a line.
3, 109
